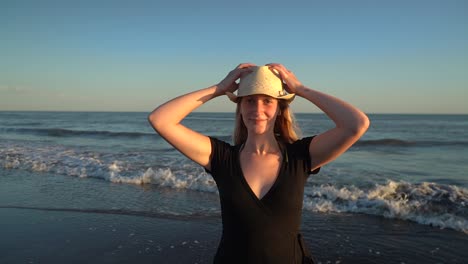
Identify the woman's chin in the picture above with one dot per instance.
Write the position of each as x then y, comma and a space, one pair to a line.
258, 130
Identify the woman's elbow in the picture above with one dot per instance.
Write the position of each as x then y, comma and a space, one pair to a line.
358, 126
361, 125
154, 120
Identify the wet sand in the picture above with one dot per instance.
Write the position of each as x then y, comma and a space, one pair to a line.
42, 236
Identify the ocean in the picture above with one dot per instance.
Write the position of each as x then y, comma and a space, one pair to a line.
409, 172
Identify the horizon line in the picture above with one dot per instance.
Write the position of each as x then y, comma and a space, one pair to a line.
111, 111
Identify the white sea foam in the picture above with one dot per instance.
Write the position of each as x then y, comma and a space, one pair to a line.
11, 162
39, 166
426, 203
60, 160
167, 178
434, 204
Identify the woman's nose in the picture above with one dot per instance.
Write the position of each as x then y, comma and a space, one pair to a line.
257, 105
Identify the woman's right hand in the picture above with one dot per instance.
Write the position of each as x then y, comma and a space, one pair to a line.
228, 84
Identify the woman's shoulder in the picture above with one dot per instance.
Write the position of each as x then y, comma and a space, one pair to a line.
223, 155
299, 151
299, 147
222, 144
301, 142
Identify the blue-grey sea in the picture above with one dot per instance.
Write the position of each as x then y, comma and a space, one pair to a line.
405, 169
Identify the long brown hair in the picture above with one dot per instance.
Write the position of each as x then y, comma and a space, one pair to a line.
285, 129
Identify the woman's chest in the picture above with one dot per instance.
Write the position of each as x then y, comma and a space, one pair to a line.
260, 173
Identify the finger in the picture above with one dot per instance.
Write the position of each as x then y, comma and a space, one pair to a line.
274, 68
237, 73
285, 76
245, 72
286, 87
279, 71
245, 65
278, 66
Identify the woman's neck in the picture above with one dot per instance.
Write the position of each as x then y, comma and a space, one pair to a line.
261, 144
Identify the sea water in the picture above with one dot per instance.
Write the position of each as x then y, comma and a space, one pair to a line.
406, 167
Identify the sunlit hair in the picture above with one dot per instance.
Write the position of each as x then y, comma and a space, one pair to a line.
285, 129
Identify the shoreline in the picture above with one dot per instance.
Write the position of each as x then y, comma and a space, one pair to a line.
35, 236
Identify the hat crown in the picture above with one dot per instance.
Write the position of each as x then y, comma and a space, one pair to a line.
261, 81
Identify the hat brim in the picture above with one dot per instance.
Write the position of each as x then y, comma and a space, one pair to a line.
288, 97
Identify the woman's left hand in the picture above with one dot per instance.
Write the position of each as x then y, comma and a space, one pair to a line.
289, 79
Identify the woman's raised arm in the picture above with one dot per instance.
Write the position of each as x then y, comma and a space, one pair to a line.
350, 122
166, 119
350, 125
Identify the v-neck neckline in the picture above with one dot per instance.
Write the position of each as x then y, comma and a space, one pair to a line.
275, 183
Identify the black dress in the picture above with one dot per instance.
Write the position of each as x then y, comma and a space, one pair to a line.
262, 230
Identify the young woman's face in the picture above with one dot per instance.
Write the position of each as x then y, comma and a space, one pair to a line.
259, 113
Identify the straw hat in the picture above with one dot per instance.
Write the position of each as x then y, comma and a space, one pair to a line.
261, 81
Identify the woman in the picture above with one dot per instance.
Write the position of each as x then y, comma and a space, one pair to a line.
261, 178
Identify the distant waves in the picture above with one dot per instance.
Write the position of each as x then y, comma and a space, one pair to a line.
393, 142
60, 132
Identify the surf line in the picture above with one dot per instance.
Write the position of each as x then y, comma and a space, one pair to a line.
170, 216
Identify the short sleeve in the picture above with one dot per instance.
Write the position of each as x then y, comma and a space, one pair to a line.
301, 150
220, 153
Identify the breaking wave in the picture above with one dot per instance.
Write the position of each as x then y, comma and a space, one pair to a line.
436, 204
444, 206
129, 168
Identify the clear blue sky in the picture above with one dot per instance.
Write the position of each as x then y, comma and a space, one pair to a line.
382, 56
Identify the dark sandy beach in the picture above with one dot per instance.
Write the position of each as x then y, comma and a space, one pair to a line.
37, 236
44, 236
